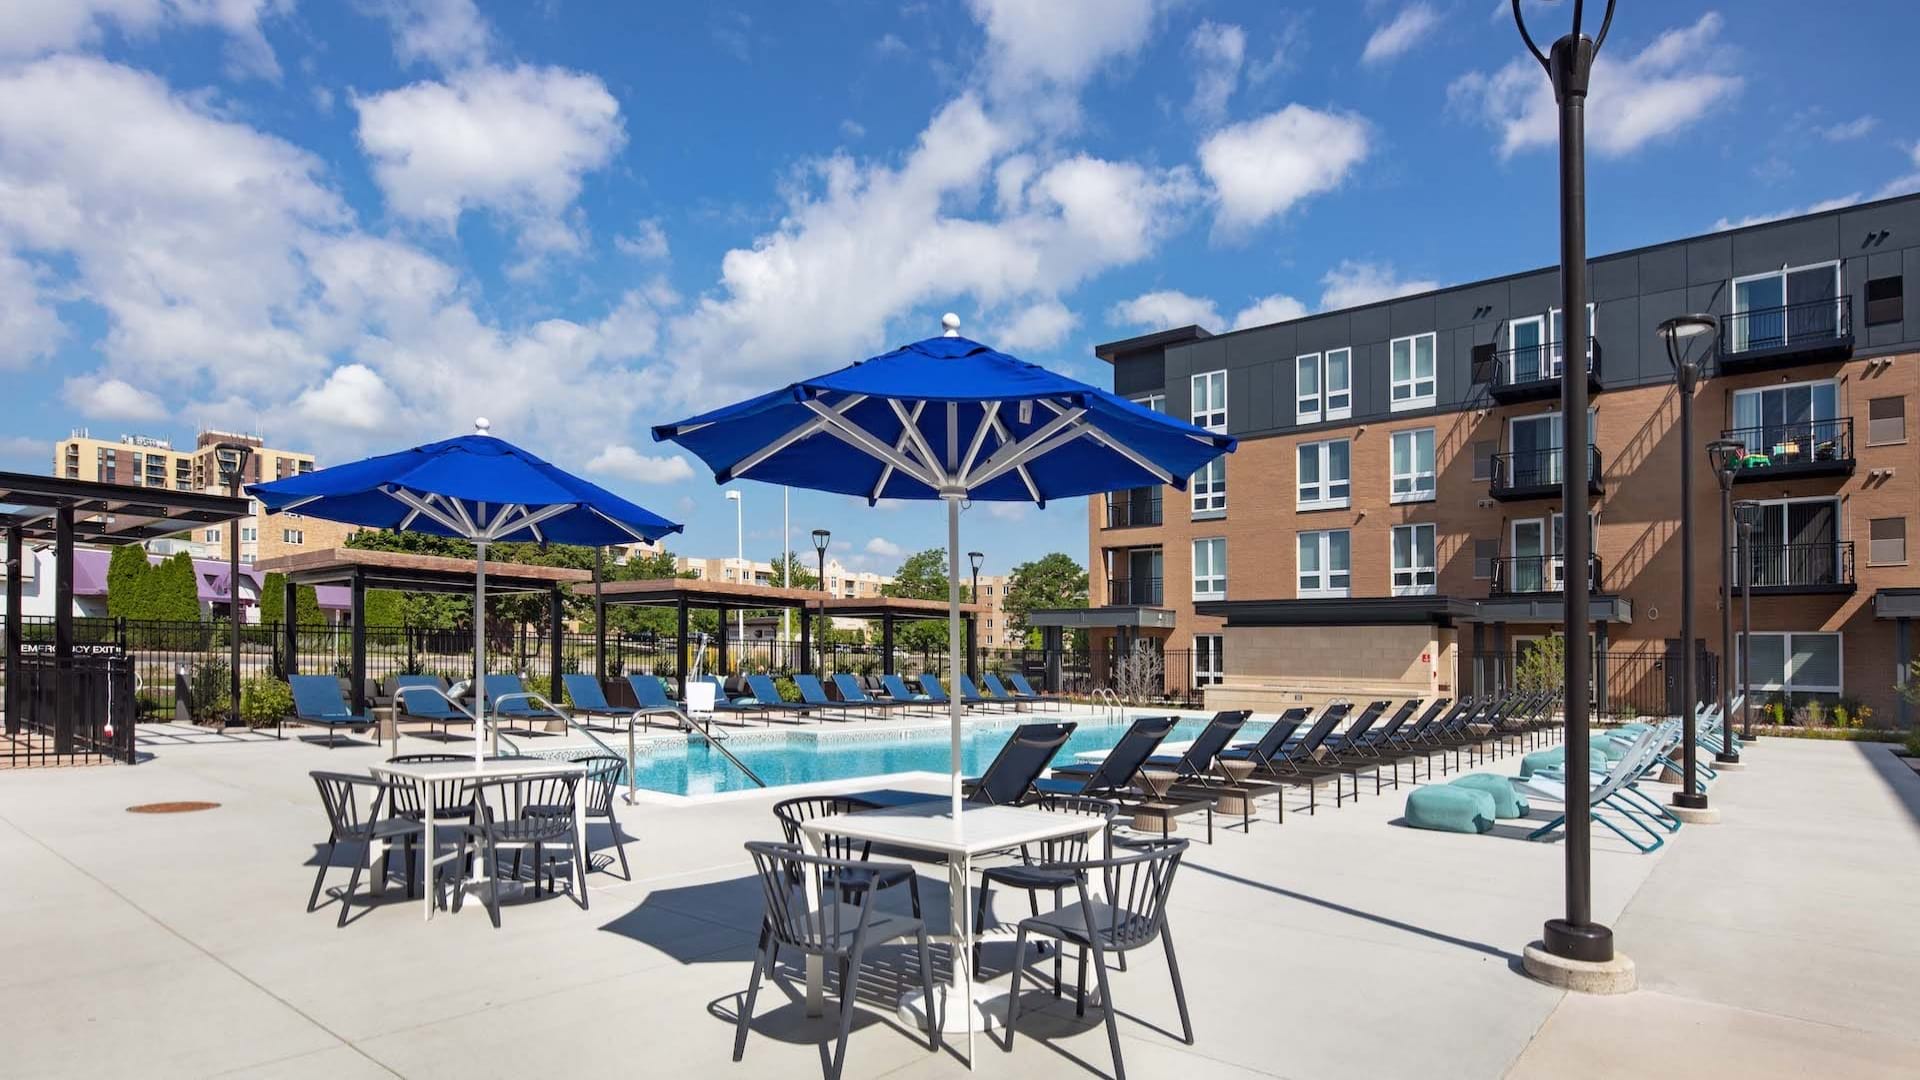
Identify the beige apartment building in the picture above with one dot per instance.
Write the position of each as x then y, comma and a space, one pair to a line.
1391, 522
146, 461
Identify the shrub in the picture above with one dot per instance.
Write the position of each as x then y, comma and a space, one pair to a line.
208, 683
1913, 743
789, 690
264, 702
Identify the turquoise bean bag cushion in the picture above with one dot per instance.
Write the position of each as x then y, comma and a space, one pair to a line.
1507, 802
1542, 759
1449, 808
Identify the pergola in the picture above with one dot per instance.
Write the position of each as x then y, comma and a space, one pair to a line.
722, 597
359, 570
63, 512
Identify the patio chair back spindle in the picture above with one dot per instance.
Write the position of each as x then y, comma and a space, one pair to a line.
1026, 754
791, 813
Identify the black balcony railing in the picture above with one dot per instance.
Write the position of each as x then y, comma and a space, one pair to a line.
1788, 330
1519, 575
1785, 568
1533, 371
1133, 507
1134, 592
1803, 448
1534, 474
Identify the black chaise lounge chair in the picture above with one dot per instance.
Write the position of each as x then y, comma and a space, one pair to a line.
1009, 777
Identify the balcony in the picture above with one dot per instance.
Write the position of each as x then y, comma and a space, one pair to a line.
1789, 451
1533, 575
1134, 592
1802, 569
1536, 474
1133, 508
1533, 373
1808, 332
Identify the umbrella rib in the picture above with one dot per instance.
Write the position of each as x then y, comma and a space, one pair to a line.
422, 506
860, 437
1022, 450
617, 523
739, 468
1000, 429
910, 428
980, 436
1094, 432
886, 473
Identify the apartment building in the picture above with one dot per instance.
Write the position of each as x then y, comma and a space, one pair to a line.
994, 631
147, 461
1391, 521
270, 536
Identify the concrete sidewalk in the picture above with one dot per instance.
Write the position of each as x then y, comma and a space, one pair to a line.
1337, 945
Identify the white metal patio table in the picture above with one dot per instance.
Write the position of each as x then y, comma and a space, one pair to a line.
426, 773
930, 827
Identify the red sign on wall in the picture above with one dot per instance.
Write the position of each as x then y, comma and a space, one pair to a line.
1426, 658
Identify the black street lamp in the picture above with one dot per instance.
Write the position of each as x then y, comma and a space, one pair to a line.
975, 558
1576, 937
1746, 514
820, 539
1687, 338
1725, 456
233, 459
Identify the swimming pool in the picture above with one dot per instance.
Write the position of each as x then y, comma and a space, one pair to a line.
805, 757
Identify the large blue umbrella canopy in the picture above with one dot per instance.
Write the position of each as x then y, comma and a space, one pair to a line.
947, 418
475, 487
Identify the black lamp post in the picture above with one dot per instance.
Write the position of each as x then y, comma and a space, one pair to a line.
233, 459
1687, 338
1746, 514
974, 558
1725, 456
820, 539
1577, 936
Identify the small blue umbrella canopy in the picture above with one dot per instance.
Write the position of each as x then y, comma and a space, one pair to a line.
475, 487
947, 418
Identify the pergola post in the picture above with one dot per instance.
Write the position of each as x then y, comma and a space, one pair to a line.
556, 608
1499, 657
973, 648
1479, 658
886, 643
290, 624
1901, 652
599, 617
65, 699
1600, 668
358, 607
806, 642
1053, 641
720, 640
15, 622
681, 662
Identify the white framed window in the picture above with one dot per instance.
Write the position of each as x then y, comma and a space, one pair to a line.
1413, 466
1557, 340
293, 536
1210, 568
1154, 402
1325, 563
1323, 386
1209, 666
1791, 422
1209, 489
1779, 307
249, 534
1412, 371
1800, 662
1324, 475
1210, 400
1414, 569
213, 536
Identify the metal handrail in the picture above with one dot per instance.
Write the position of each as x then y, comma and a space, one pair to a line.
1504, 360
1781, 326
692, 724
1829, 440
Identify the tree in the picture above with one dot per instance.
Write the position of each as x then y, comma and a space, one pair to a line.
175, 595
127, 573
923, 576
793, 574
273, 602
1053, 581
1542, 665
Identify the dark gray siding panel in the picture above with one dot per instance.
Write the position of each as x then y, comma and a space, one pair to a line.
1790, 243
1260, 397
1709, 259
1534, 294
1613, 279
1140, 374
1663, 268
1412, 316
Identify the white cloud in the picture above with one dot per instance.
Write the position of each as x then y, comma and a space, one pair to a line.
853, 129
1414, 22
625, 462
1008, 511
1163, 309
446, 33
1673, 83
884, 548
34, 27
1261, 168
1846, 131
1038, 326
24, 453
1267, 310
100, 398
353, 396
1903, 185
865, 244
1353, 283
1062, 41
1218, 50
647, 241
515, 142
1835, 203
29, 326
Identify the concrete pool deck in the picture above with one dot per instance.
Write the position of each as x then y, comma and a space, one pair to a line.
1780, 943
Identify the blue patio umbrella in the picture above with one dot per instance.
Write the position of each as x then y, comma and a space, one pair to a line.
476, 487
947, 418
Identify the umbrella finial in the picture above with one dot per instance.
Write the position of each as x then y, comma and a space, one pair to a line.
481, 424
951, 322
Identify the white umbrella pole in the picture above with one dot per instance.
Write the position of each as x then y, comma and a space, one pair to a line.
953, 648
480, 748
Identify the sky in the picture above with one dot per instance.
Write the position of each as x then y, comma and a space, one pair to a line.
355, 225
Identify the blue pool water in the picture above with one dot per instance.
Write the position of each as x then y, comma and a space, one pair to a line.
801, 758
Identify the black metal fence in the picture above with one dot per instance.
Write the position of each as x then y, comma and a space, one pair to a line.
1804, 323
1624, 685
77, 714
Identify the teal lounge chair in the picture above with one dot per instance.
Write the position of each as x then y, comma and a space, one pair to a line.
317, 700
1024, 690
507, 699
897, 690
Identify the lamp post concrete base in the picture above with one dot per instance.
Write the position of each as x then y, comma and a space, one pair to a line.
1705, 815
1728, 766
1615, 976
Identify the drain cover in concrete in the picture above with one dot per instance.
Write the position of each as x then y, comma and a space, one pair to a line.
171, 807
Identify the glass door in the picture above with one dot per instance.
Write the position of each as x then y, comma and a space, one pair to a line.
1526, 356
1530, 556
1760, 303
1535, 442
